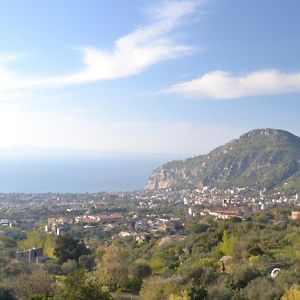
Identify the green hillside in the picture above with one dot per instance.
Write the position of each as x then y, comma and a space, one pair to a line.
261, 158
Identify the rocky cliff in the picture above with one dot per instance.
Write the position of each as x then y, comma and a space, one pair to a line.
261, 158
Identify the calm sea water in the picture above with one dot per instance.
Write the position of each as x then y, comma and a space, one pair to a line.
75, 175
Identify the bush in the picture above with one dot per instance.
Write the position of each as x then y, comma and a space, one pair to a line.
158, 288
262, 288
69, 266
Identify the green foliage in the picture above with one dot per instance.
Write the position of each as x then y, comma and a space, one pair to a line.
79, 286
199, 228
37, 297
293, 293
262, 288
7, 242
15, 269
158, 288
242, 276
113, 269
52, 267
38, 283
5, 294
226, 247
196, 292
220, 292
255, 250
69, 266
141, 270
35, 238
66, 248
179, 268
163, 260
183, 296
48, 246
87, 262
198, 273
38, 239
137, 273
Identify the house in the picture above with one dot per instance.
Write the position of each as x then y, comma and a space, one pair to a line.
228, 214
114, 216
5, 223
33, 255
56, 224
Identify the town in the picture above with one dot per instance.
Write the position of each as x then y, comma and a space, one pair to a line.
139, 213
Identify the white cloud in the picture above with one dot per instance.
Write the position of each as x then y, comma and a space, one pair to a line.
131, 54
222, 85
9, 79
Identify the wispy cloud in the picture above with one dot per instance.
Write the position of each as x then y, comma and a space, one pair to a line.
131, 54
9, 79
223, 85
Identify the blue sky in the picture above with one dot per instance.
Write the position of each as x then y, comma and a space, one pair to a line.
147, 76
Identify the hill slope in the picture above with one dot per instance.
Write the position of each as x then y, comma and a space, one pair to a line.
260, 158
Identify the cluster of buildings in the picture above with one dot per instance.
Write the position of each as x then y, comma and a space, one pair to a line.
116, 212
7, 223
98, 218
140, 215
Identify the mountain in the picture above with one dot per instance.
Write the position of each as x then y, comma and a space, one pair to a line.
261, 158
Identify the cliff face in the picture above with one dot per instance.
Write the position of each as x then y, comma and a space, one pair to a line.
260, 158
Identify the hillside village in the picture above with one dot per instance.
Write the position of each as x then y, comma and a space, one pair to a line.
130, 213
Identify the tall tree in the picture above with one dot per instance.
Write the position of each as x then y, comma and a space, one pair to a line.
66, 248
113, 270
38, 283
35, 238
79, 286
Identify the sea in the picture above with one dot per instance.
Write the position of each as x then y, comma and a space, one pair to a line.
77, 174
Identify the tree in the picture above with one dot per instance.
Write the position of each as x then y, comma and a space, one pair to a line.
87, 262
66, 247
293, 293
163, 260
79, 286
48, 246
220, 292
5, 294
35, 238
262, 288
138, 272
183, 296
113, 270
226, 247
196, 292
242, 276
69, 266
38, 283
158, 288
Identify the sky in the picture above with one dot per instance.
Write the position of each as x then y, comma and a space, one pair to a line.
176, 77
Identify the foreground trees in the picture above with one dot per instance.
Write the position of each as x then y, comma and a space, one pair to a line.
67, 248
293, 293
39, 283
81, 286
113, 269
179, 267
